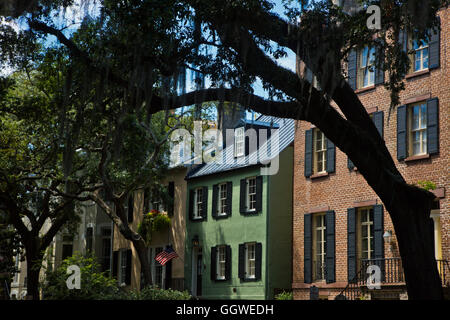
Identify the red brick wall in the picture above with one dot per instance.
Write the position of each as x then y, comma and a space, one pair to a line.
340, 190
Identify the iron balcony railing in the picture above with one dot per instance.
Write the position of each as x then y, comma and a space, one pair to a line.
391, 273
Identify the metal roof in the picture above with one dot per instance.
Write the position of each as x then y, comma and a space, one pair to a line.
286, 137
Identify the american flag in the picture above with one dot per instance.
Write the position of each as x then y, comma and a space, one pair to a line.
166, 255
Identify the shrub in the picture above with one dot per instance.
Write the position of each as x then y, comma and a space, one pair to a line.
95, 285
284, 296
153, 293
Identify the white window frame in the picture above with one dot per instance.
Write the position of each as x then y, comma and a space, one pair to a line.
319, 256
366, 69
155, 264
320, 154
221, 260
364, 222
419, 51
421, 129
251, 196
239, 142
198, 204
222, 199
123, 267
250, 260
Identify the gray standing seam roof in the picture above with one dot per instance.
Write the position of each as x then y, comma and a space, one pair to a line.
286, 133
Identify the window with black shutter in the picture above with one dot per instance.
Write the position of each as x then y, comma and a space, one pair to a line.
320, 153
171, 204
130, 208
418, 129
128, 268
220, 263
213, 266
222, 200
251, 195
308, 153
352, 69
433, 126
434, 45
351, 244
229, 201
401, 132
228, 262
215, 205
241, 266
146, 200
115, 263
331, 156
198, 204
308, 248
330, 258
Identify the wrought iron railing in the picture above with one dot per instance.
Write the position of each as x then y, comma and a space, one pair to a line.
391, 273
444, 272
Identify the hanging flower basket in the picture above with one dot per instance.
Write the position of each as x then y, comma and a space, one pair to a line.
154, 221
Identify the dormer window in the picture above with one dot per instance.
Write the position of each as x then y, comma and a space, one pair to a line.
239, 142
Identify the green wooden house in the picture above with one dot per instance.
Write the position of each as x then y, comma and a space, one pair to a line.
239, 221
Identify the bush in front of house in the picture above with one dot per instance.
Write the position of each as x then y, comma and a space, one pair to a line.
94, 285
284, 296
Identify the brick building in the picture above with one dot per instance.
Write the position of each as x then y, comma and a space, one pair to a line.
329, 192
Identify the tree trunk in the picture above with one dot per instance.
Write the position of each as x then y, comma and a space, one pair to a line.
33, 269
142, 252
410, 215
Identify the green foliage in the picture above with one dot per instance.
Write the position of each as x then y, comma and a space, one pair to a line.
427, 185
94, 284
154, 293
285, 295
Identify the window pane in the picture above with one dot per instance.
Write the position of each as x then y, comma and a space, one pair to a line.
423, 116
415, 118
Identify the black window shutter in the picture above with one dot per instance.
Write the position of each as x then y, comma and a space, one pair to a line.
115, 263
243, 196
227, 262
350, 164
146, 200
378, 120
330, 247
433, 126
378, 229
258, 260
308, 152
229, 200
241, 266
379, 73
401, 132
351, 243
171, 191
191, 203
205, 203
213, 263
308, 247
434, 47
214, 200
130, 208
259, 190
352, 69
403, 40
331, 156
168, 280
128, 268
